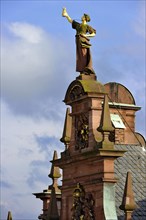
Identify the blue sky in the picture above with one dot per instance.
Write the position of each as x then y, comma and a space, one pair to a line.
37, 66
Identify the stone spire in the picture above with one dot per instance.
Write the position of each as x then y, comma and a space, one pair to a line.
45, 196
128, 203
67, 129
105, 125
53, 210
54, 173
9, 216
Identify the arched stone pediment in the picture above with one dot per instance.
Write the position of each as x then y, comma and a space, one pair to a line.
79, 88
119, 93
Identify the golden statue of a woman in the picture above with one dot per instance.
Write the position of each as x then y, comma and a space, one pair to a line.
83, 33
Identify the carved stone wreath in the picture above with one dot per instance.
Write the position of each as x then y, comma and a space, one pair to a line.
81, 131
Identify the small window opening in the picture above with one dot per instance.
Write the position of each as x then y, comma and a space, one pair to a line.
117, 121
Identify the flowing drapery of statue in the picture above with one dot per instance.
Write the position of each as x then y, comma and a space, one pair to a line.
83, 33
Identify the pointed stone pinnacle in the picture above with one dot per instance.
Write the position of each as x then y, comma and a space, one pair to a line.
106, 124
55, 172
53, 209
128, 203
9, 216
67, 128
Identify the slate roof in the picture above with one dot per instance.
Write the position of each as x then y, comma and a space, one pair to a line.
134, 160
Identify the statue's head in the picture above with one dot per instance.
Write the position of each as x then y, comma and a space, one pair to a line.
87, 17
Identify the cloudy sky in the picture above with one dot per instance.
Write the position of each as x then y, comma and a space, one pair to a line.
37, 66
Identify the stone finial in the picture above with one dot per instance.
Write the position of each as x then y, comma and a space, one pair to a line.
53, 209
67, 129
9, 216
128, 203
54, 173
105, 125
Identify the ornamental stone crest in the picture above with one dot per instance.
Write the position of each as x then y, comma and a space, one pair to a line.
82, 131
83, 205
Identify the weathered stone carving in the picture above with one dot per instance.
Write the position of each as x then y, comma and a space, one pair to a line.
76, 92
82, 131
83, 206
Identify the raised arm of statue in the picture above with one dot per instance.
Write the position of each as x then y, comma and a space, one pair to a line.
65, 14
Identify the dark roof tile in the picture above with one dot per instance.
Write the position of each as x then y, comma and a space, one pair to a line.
134, 160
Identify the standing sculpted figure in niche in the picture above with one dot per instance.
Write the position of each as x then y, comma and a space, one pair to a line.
83, 33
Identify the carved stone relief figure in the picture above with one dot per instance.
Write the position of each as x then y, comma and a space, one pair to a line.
82, 131
83, 205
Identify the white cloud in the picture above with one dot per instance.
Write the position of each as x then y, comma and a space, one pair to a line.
27, 32
24, 166
33, 73
33, 76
